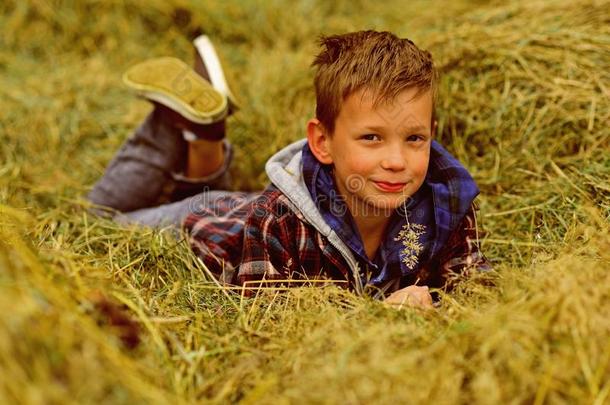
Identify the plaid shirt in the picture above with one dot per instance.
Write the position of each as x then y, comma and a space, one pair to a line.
245, 238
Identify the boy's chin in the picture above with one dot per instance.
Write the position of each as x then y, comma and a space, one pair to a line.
386, 204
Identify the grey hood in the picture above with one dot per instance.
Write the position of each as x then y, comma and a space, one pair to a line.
284, 171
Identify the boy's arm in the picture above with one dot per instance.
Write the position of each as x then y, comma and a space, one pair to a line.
462, 255
269, 250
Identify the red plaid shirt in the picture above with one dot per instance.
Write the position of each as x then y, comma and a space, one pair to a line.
244, 238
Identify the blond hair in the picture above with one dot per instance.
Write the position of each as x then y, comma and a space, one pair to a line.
376, 61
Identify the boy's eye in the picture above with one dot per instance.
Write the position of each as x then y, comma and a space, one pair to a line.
414, 138
370, 137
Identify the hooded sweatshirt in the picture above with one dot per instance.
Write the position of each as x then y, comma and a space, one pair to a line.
298, 230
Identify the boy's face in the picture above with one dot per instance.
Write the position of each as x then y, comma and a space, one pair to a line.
380, 155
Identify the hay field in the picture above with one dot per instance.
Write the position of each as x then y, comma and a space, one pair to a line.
524, 104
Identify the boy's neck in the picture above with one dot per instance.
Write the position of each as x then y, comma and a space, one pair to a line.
371, 228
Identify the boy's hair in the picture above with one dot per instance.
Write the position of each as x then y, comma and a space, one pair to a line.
377, 61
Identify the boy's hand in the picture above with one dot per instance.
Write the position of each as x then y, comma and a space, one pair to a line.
412, 296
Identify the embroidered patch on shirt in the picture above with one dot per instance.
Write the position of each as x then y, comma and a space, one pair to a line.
409, 236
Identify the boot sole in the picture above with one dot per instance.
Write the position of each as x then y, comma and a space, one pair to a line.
171, 82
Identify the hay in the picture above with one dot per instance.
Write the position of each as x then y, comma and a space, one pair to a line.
524, 104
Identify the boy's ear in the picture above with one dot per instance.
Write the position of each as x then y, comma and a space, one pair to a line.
434, 127
318, 140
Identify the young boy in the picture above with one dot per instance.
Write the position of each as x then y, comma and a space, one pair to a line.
369, 198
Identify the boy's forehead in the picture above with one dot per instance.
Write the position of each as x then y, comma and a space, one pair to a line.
411, 109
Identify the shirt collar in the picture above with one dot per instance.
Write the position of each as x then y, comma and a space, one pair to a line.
321, 185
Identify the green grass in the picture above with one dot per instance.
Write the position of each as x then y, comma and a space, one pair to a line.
524, 103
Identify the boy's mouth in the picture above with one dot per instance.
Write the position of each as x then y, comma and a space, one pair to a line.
389, 187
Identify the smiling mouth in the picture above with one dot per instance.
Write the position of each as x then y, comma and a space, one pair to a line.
389, 187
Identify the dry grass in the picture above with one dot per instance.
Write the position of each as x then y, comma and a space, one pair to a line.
524, 103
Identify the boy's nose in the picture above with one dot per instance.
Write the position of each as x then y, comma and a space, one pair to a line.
393, 159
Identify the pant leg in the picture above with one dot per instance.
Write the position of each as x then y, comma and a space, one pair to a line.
139, 172
173, 214
146, 170
165, 215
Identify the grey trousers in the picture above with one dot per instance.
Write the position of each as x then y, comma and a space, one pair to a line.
143, 183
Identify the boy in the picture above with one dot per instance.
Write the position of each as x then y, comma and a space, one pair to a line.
369, 198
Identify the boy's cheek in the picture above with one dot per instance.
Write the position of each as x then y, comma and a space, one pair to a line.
353, 167
418, 172
422, 166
